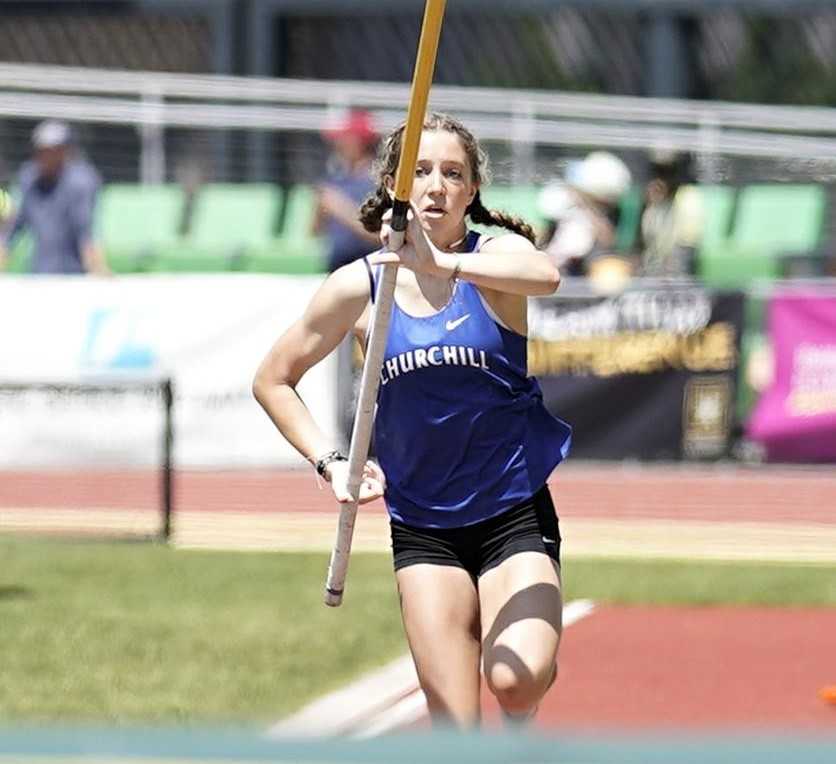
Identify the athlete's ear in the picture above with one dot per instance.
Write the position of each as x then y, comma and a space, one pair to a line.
474, 189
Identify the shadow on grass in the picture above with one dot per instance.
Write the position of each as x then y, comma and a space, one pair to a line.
16, 593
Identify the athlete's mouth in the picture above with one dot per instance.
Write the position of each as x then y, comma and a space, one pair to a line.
434, 210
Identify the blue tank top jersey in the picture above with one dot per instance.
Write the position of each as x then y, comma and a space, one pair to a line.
461, 431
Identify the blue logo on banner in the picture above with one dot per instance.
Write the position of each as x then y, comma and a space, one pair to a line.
112, 342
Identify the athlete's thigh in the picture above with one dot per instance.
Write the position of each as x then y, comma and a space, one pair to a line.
440, 610
521, 613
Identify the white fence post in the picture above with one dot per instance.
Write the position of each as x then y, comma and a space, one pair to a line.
152, 139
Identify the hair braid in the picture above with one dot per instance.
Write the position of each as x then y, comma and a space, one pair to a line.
481, 215
373, 209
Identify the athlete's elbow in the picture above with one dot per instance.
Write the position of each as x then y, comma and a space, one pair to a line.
269, 381
260, 387
550, 280
263, 383
554, 279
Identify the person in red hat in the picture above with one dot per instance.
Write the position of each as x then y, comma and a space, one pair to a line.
348, 182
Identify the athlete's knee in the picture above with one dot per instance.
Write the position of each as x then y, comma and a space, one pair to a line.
517, 688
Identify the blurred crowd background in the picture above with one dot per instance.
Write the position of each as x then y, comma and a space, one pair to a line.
691, 142
176, 179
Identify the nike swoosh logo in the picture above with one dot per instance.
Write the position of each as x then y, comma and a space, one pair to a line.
547, 540
456, 322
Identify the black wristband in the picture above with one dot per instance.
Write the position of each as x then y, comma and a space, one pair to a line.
325, 460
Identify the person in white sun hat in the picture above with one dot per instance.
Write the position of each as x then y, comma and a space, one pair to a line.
586, 225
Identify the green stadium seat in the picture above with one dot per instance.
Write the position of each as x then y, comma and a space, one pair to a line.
20, 254
295, 249
280, 261
516, 200
752, 340
228, 221
718, 211
779, 218
299, 212
771, 221
713, 266
725, 267
629, 220
133, 221
235, 216
175, 259
295, 238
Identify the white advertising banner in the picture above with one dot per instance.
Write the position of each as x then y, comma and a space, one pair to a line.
208, 333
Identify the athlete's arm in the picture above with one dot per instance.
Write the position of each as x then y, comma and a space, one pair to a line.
330, 315
508, 264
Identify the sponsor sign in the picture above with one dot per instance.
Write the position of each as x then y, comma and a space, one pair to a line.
208, 333
647, 374
795, 418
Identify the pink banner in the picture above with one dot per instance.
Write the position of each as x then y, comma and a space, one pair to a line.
795, 418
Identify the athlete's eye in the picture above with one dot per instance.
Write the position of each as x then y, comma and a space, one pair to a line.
454, 173
420, 172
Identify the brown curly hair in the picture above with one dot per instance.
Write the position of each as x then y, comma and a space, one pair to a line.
372, 210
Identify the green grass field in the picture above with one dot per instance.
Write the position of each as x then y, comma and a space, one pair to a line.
126, 633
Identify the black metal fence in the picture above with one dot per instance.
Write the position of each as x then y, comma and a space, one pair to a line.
760, 52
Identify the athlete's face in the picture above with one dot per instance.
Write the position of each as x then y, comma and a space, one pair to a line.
443, 186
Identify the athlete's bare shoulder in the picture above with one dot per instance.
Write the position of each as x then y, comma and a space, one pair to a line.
351, 281
345, 290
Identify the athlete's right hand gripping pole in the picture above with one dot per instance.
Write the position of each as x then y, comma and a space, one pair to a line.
361, 432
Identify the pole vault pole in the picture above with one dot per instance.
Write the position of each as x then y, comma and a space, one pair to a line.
361, 432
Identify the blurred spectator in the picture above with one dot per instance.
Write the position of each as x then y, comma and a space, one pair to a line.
554, 202
586, 211
191, 174
671, 222
58, 192
346, 185
6, 207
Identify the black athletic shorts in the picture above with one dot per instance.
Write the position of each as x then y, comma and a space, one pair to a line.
530, 526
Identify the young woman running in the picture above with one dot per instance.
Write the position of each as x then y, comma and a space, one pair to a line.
464, 441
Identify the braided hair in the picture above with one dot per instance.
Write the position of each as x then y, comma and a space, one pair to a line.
374, 207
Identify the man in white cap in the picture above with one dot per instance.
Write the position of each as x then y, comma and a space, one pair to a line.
58, 191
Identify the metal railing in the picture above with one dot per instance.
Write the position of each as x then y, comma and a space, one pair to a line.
522, 118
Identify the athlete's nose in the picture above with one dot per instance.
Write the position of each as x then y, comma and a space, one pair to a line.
436, 183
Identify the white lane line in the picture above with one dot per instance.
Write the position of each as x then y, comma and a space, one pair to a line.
385, 700
338, 713
575, 610
405, 712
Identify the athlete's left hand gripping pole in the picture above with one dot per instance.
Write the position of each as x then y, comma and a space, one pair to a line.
361, 432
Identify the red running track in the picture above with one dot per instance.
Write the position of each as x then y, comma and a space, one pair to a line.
633, 668
611, 491
693, 669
